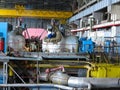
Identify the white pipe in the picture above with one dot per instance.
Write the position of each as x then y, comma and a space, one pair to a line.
73, 82
37, 85
96, 82
84, 82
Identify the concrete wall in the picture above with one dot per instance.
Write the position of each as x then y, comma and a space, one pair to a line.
98, 17
115, 12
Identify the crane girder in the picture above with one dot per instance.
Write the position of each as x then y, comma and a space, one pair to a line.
34, 13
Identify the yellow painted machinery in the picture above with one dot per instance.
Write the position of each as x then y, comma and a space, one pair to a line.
101, 70
105, 71
92, 75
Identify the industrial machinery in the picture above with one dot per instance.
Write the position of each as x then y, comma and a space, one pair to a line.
95, 76
4, 29
86, 45
59, 42
63, 63
16, 41
107, 46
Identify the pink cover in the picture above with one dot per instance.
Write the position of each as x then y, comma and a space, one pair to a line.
35, 32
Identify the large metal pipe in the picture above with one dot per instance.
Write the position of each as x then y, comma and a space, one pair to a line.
95, 82
80, 82
59, 78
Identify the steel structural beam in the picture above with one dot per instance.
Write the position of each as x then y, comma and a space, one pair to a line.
98, 6
34, 13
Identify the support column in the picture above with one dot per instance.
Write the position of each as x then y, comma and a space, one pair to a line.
5, 74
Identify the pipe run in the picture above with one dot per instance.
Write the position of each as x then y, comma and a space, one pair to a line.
61, 78
73, 82
38, 86
104, 25
95, 82
80, 82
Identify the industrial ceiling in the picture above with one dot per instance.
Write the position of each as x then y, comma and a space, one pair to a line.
58, 5
41, 8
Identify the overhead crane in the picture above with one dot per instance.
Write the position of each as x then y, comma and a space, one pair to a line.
34, 13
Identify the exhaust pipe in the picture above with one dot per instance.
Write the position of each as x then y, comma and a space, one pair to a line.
59, 77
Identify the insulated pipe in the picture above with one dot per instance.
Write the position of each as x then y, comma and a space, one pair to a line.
80, 82
63, 79
73, 82
95, 82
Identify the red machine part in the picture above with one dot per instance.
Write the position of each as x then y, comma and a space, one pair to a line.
54, 69
1, 43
